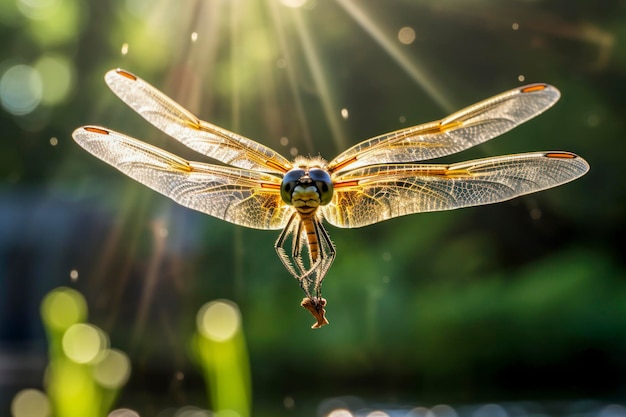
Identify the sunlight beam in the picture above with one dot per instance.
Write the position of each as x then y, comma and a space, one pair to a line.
291, 76
393, 49
319, 79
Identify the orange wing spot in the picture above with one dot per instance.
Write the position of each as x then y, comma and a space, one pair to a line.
533, 88
560, 155
344, 163
344, 184
274, 165
96, 130
126, 74
270, 186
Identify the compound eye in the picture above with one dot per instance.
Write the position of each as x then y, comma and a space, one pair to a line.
323, 183
290, 180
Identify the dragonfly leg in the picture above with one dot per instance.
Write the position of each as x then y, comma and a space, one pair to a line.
327, 256
322, 262
310, 279
294, 263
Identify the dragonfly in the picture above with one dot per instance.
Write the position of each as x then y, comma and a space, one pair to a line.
375, 180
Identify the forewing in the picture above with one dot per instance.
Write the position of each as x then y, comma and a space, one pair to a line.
181, 124
372, 194
240, 196
459, 131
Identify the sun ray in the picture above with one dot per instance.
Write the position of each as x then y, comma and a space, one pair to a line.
291, 76
395, 52
331, 111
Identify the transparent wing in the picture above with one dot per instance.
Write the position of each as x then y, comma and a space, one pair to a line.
240, 196
461, 130
179, 123
372, 194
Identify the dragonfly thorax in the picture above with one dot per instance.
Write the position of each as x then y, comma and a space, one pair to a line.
306, 187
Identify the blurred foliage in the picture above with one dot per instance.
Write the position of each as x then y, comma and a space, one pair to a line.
83, 376
517, 300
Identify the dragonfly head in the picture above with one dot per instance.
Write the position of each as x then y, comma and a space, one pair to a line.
307, 186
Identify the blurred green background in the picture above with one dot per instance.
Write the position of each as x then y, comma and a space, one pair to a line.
524, 300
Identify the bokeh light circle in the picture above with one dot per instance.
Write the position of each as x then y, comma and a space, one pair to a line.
123, 412
293, 3
84, 343
113, 370
218, 320
62, 308
21, 89
57, 76
340, 412
30, 403
37, 9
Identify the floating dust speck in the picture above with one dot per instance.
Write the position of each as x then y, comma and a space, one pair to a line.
593, 120
406, 35
163, 231
521, 78
74, 275
344, 113
535, 213
54, 141
289, 402
402, 119
515, 26
124, 49
194, 36
293, 151
284, 141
